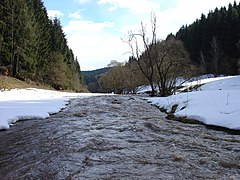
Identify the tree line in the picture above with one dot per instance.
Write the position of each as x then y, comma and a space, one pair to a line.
34, 47
213, 41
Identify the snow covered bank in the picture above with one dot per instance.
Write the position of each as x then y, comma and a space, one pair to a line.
216, 103
17, 104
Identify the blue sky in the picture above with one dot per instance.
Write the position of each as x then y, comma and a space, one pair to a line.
94, 28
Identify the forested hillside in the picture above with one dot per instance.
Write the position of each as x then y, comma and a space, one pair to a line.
33, 47
214, 40
90, 78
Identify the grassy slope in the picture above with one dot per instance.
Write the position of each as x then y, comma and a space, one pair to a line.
7, 82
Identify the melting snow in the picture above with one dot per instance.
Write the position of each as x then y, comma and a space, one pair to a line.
215, 103
18, 104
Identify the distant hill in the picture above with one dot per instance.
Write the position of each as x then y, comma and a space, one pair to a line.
90, 78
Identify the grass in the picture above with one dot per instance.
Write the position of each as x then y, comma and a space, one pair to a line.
171, 116
7, 82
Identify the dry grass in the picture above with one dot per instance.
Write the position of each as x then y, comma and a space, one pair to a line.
7, 82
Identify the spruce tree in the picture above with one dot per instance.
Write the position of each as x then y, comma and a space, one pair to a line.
43, 31
223, 24
35, 47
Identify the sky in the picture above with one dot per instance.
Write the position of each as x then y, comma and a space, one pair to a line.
95, 29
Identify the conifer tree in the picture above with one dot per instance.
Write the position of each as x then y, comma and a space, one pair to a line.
43, 31
223, 24
35, 47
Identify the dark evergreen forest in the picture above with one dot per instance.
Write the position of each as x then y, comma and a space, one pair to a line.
33, 47
214, 40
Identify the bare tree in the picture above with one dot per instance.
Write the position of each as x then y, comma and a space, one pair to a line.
134, 76
172, 63
161, 62
114, 80
121, 78
145, 58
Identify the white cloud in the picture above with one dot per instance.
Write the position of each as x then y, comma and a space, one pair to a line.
95, 44
171, 14
83, 1
86, 27
54, 13
75, 15
138, 7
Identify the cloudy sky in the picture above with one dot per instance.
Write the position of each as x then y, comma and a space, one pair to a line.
94, 28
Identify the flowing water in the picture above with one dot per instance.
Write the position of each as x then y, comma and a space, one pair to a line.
116, 137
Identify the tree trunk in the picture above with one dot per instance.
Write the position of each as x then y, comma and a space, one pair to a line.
15, 66
153, 89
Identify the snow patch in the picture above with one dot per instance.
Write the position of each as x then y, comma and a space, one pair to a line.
19, 104
216, 103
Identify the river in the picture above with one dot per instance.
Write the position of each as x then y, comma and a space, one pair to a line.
116, 137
